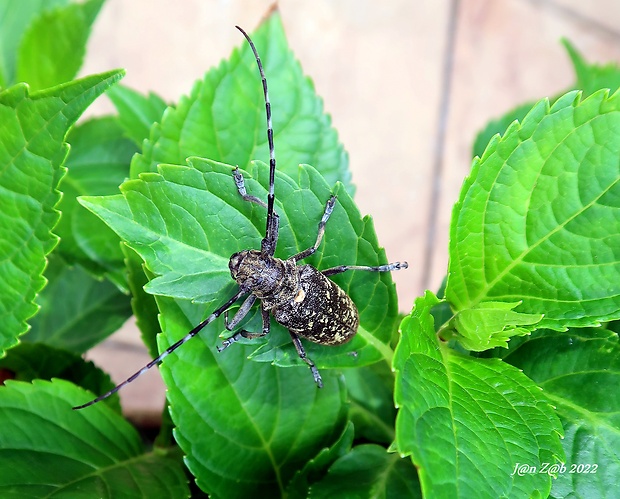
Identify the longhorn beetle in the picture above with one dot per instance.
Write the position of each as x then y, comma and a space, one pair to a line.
301, 298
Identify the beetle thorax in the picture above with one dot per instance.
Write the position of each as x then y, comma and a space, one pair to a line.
269, 278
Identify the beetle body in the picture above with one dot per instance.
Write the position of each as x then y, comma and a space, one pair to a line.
300, 298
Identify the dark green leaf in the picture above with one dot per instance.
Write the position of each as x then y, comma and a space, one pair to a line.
31, 154
369, 471
467, 422
30, 361
136, 112
143, 305
49, 450
77, 311
246, 427
52, 48
371, 390
97, 164
579, 372
316, 468
224, 117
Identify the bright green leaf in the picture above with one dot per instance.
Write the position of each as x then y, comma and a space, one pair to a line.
186, 222
136, 112
538, 219
246, 427
589, 79
499, 125
368, 471
224, 117
97, 164
53, 47
592, 77
31, 154
94, 453
15, 17
579, 372
180, 220
491, 324
77, 311
468, 422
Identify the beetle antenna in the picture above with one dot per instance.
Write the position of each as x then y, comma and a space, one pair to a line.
168, 351
271, 232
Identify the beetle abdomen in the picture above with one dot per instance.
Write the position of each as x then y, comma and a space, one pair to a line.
320, 312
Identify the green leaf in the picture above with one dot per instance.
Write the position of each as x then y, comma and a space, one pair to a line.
499, 125
31, 154
97, 164
246, 427
371, 391
592, 77
53, 46
224, 117
15, 17
467, 422
589, 79
537, 220
186, 222
143, 305
579, 372
30, 361
77, 311
316, 467
369, 471
136, 112
491, 324
48, 449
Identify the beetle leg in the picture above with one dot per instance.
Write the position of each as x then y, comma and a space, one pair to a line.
244, 333
302, 354
329, 207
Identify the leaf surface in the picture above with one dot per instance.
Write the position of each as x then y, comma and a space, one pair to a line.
77, 310
224, 116
369, 471
53, 47
31, 156
75, 454
538, 219
97, 164
579, 372
467, 422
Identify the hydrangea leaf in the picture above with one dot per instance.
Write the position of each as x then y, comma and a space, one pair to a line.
223, 118
31, 157
538, 219
76, 454
467, 422
53, 46
579, 372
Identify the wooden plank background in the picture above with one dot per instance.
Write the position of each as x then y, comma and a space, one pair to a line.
408, 85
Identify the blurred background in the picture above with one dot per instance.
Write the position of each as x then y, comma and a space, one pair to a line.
408, 85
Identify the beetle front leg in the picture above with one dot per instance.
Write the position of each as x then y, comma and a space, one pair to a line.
243, 333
